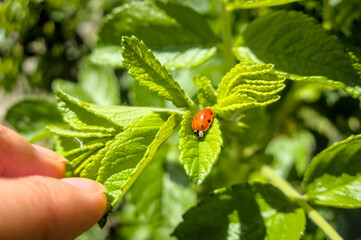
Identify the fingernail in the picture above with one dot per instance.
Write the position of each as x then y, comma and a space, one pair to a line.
50, 154
85, 184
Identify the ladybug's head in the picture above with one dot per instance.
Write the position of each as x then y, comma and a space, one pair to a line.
199, 134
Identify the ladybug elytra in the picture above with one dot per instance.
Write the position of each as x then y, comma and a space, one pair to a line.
202, 121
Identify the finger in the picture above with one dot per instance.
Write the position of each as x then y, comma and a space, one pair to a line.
39, 207
19, 158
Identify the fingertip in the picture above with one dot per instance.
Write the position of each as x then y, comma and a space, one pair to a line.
47, 208
19, 158
94, 189
50, 154
85, 184
53, 163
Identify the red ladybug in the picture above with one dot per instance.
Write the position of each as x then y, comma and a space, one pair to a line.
202, 121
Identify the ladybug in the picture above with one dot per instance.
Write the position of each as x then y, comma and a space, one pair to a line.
202, 122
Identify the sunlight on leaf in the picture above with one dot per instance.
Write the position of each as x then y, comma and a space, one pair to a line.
179, 36
296, 44
146, 69
198, 157
244, 211
78, 116
334, 176
244, 54
291, 152
247, 85
96, 84
163, 187
244, 4
108, 55
115, 157
206, 95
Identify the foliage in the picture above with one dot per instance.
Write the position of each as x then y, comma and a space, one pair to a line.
91, 77
312, 52
235, 4
145, 68
253, 211
178, 35
333, 176
198, 157
247, 85
283, 78
31, 115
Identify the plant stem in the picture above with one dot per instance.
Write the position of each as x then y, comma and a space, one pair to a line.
291, 193
319, 220
326, 15
227, 36
279, 182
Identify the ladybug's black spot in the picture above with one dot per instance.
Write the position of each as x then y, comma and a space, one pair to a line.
209, 120
202, 126
211, 113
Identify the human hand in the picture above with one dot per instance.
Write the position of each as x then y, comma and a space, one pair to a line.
35, 203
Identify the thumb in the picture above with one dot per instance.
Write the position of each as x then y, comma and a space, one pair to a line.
39, 207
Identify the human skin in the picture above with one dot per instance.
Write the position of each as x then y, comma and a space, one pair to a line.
35, 201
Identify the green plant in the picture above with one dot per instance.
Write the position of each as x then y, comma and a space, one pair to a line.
243, 194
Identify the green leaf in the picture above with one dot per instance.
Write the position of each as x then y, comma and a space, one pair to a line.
111, 146
291, 151
184, 57
159, 197
79, 116
206, 95
77, 134
334, 176
70, 88
146, 69
296, 44
243, 211
198, 157
125, 115
247, 85
30, 116
319, 123
244, 54
251, 126
99, 82
96, 84
108, 55
245, 4
130, 152
179, 36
